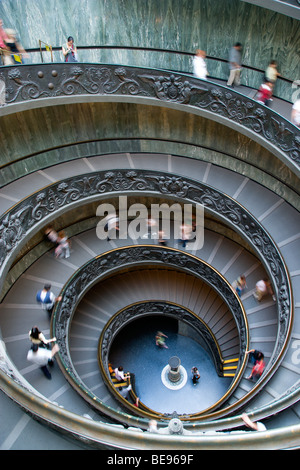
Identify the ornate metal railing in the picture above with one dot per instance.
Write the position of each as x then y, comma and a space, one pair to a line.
151, 57
25, 218
54, 83
134, 256
169, 309
102, 435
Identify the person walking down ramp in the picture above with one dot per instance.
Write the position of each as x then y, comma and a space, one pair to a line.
160, 340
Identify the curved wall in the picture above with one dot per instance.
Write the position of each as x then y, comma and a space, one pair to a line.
54, 134
184, 25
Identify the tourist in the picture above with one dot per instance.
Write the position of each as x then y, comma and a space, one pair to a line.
185, 234
70, 51
160, 340
239, 285
265, 92
63, 246
272, 73
235, 65
162, 238
111, 226
37, 337
51, 235
152, 426
263, 288
4, 50
256, 426
47, 299
195, 375
254, 355
119, 374
151, 225
295, 116
17, 52
199, 65
257, 369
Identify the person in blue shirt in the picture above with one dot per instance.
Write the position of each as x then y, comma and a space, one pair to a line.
47, 299
235, 65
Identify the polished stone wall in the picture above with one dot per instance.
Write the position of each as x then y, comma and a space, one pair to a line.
182, 25
55, 134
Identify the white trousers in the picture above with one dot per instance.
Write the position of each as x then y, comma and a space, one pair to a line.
234, 77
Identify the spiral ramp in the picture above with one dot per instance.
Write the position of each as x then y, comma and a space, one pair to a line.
225, 254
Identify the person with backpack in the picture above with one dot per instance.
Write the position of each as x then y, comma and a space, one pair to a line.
258, 368
37, 337
47, 299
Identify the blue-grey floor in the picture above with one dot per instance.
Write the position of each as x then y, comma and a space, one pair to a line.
136, 351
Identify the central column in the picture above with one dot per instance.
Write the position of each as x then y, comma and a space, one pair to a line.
174, 369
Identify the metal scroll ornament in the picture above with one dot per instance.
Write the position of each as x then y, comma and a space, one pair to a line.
133, 256
25, 218
33, 82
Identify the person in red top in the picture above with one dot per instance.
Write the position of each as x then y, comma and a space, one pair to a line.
257, 369
265, 93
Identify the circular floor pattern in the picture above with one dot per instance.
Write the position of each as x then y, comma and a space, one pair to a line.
174, 385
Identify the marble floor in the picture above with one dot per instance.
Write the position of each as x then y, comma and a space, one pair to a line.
136, 351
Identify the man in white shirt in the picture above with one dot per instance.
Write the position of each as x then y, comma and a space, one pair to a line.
42, 357
119, 374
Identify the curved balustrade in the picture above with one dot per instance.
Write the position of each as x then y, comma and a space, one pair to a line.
172, 60
18, 221
115, 260
48, 84
101, 435
286, 7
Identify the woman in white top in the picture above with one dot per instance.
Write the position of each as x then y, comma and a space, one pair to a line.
37, 337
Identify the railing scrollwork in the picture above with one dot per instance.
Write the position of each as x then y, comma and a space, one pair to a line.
134, 256
26, 217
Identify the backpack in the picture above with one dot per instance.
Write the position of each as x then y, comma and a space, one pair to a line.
46, 300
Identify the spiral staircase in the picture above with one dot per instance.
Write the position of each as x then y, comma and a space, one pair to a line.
251, 227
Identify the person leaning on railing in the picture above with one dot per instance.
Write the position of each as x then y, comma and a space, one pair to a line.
70, 51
